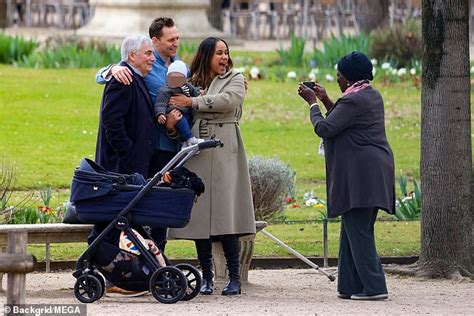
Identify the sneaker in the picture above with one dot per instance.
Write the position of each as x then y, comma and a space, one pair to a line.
190, 142
344, 296
115, 291
366, 297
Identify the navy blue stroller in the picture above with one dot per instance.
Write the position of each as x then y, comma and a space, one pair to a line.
117, 203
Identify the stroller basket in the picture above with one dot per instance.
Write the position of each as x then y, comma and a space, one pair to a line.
99, 196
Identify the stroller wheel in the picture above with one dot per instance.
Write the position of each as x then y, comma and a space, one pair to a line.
194, 280
168, 285
102, 282
88, 288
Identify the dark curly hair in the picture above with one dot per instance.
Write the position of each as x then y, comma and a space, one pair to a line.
201, 62
158, 24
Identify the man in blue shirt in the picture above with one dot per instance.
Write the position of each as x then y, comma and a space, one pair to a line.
165, 38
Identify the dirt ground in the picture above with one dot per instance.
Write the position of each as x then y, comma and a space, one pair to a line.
297, 291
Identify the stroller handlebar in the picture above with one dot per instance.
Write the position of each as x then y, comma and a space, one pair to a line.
211, 143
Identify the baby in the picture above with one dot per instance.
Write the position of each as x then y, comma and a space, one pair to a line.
176, 83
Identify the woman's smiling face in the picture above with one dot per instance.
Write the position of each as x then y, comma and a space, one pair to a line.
220, 59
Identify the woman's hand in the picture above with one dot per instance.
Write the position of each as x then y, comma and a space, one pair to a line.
307, 94
320, 92
181, 101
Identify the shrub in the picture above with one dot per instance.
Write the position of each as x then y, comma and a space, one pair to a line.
187, 50
399, 45
271, 181
408, 207
336, 47
293, 56
72, 52
7, 185
15, 48
7, 182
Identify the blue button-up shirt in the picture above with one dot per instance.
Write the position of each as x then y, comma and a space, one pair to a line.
153, 81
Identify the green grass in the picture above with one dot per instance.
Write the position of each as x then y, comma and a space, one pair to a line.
393, 239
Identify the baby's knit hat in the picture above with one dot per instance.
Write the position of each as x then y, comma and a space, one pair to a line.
178, 66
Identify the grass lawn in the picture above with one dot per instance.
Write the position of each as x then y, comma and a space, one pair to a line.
393, 239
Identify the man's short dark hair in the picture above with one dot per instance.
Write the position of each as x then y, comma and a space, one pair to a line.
157, 25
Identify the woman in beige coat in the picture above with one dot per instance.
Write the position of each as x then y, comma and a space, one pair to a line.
225, 210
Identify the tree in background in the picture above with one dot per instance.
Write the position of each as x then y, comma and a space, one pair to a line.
447, 238
373, 14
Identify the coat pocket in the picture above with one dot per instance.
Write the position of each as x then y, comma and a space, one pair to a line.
228, 134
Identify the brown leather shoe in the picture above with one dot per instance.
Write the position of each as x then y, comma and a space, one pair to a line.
115, 291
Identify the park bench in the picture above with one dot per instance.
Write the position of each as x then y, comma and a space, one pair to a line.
69, 233
17, 264
47, 234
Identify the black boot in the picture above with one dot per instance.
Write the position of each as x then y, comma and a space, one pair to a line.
232, 288
204, 253
231, 247
207, 287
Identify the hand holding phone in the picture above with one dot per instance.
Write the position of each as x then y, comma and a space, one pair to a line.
310, 84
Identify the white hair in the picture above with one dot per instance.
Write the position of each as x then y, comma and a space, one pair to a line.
132, 44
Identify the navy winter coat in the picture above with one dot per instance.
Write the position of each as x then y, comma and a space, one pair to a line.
126, 127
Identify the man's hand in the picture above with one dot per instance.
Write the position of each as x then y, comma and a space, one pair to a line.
246, 85
122, 74
162, 119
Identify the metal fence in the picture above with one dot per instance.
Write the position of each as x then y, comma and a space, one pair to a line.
312, 19
69, 14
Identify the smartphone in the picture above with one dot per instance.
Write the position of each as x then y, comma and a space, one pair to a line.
310, 84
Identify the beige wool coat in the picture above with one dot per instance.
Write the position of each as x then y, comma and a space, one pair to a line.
226, 206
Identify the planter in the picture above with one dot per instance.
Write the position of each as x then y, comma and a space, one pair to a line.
246, 253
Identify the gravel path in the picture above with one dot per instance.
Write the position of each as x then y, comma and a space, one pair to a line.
297, 291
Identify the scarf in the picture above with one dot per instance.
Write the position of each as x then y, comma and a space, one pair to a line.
357, 86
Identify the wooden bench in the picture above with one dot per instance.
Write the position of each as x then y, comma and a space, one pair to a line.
17, 264
47, 234
69, 233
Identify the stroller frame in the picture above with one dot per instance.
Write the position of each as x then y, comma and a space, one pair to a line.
90, 286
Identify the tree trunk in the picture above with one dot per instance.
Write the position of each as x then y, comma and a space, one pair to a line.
214, 14
3, 14
446, 162
372, 14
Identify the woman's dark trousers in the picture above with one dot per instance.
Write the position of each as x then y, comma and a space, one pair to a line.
359, 268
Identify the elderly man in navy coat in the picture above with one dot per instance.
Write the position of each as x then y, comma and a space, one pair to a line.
125, 138
124, 141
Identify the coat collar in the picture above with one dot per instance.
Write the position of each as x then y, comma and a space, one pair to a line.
227, 74
141, 84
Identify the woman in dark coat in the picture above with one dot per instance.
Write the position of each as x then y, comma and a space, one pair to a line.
359, 172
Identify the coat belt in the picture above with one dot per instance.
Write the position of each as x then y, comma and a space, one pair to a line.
201, 126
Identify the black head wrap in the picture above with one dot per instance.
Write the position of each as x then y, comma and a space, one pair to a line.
355, 66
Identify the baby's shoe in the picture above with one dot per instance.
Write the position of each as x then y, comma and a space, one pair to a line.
192, 141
